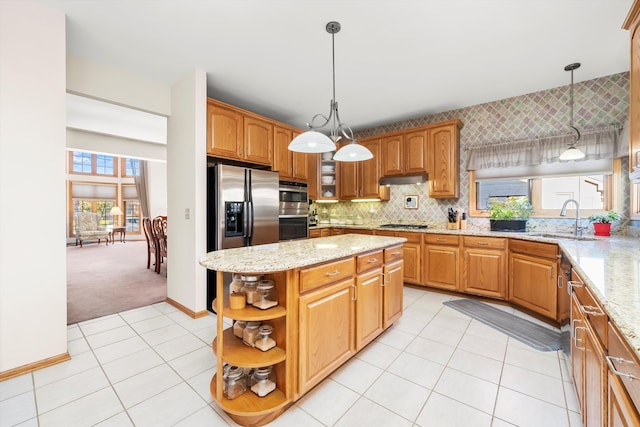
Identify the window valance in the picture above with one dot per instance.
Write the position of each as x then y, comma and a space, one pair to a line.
597, 144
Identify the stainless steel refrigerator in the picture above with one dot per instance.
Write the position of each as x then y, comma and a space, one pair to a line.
242, 210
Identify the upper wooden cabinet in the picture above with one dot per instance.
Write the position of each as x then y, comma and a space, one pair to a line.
236, 134
290, 165
404, 154
225, 131
632, 23
444, 160
361, 180
433, 148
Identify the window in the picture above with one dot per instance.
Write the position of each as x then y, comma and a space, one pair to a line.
94, 164
131, 167
132, 212
594, 191
81, 162
97, 198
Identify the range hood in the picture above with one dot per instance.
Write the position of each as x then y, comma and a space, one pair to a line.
404, 179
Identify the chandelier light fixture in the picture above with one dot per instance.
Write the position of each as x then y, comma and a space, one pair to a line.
572, 152
313, 141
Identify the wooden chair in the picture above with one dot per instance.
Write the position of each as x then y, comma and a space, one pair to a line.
147, 226
159, 227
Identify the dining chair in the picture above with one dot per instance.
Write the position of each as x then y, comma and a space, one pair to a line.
159, 227
147, 226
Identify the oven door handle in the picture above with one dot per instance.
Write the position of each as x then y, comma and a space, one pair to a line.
293, 216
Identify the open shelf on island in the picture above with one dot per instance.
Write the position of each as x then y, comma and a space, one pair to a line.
249, 404
251, 313
238, 354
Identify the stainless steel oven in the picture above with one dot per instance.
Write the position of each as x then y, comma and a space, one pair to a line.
294, 211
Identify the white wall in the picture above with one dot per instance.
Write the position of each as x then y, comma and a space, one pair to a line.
187, 181
116, 145
33, 281
157, 176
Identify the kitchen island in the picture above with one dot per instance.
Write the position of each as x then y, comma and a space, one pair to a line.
334, 296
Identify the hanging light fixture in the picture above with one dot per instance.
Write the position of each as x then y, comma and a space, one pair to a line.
313, 141
572, 152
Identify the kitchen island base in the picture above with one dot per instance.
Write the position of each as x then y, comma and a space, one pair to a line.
335, 295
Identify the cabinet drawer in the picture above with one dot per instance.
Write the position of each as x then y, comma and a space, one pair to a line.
392, 254
367, 261
544, 250
441, 239
484, 242
316, 277
624, 361
590, 308
411, 237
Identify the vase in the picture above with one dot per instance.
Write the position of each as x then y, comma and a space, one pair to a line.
602, 229
517, 225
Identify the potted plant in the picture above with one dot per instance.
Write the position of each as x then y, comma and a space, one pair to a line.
509, 214
602, 222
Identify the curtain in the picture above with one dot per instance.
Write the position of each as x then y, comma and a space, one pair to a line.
596, 144
140, 178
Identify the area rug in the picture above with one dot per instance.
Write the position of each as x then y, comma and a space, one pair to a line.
103, 280
530, 333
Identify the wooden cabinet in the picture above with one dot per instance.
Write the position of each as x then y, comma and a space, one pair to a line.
404, 153
368, 298
632, 23
225, 131
392, 285
361, 180
289, 164
440, 262
236, 134
484, 267
624, 381
327, 178
412, 250
444, 160
533, 277
326, 338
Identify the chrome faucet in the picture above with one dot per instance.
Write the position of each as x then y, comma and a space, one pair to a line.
577, 230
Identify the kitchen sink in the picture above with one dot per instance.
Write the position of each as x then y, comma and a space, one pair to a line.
563, 236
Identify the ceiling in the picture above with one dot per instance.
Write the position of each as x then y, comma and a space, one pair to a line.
395, 59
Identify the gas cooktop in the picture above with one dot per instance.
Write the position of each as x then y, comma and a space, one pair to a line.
414, 226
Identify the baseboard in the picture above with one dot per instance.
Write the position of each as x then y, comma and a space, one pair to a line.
187, 311
20, 370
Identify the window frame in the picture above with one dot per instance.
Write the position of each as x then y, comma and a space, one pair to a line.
94, 165
612, 198
123, 167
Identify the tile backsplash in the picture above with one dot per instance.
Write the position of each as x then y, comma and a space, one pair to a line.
598, 102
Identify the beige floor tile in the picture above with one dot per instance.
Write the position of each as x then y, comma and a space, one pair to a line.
399, 395
328, 402
365, 413
527, 411
464, 388
443, 411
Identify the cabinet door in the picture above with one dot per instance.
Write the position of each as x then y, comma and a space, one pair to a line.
532, 283
326, 332
349, 180
225, 132
392, 293
368, 307
414, 156
258, 141
621, 410
412, 257
485, 272
578, 337
595, 376
441, 267
282, 157
443, 162
300, 166
391, 159
370, 173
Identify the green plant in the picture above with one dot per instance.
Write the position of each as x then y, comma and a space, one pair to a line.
605, 218
510, 208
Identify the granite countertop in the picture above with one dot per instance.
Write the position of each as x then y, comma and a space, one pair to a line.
294, 253
610, 266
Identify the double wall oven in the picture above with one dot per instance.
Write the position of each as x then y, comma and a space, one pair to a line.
294, 211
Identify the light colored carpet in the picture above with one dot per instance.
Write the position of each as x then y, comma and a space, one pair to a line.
103, 280
532, 334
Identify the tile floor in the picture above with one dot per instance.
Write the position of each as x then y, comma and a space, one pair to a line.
435, 367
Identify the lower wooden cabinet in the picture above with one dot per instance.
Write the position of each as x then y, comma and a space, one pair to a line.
484, 266
327, 327
392, 293
440, 265
621, 411
412, 249
533, 277
369, 304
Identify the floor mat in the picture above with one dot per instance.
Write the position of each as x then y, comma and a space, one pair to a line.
532, 334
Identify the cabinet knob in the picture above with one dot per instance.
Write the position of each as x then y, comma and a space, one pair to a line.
332, 273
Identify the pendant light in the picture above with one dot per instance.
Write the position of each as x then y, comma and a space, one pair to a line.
572, 152
313, 141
